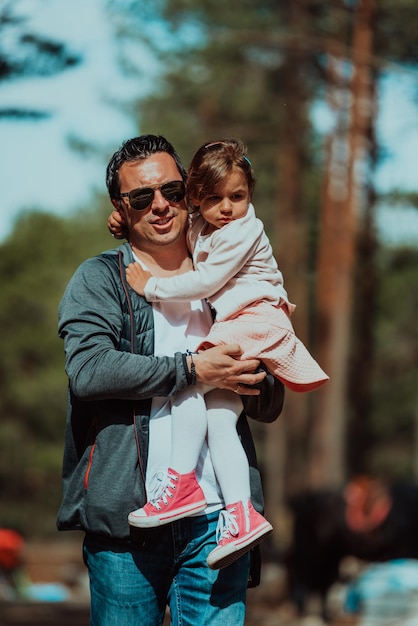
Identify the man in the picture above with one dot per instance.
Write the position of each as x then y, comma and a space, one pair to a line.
124, 359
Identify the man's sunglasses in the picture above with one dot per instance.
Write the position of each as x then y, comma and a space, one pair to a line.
141, 198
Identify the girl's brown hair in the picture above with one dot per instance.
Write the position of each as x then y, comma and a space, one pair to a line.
212, 163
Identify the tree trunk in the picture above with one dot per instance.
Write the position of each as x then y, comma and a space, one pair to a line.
345, 196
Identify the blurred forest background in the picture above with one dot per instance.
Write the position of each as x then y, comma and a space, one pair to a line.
254, 69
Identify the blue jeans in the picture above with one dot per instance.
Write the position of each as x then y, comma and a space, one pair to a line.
131, 585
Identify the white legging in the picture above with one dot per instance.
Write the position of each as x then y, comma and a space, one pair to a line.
199, 411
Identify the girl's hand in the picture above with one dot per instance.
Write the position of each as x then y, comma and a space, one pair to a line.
137, 277
116, 225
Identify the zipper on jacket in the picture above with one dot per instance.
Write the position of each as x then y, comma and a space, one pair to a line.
87, 474
133, 351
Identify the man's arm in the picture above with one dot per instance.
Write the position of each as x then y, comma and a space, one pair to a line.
267, 406
98, 364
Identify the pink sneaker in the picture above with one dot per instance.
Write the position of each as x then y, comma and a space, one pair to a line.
239, 529
180, 495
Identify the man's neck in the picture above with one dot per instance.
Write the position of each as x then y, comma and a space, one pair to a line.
165, 260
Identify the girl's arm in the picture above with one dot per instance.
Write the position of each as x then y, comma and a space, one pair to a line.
116, 225
137, 277
232, 246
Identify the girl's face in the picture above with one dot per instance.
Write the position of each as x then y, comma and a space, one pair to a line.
229, 201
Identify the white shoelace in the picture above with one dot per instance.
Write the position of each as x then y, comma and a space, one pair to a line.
227, 525
159, 490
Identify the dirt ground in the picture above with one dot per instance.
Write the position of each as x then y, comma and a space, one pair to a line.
60, 561
71, 614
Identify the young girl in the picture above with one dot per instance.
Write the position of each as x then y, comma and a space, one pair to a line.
236, 272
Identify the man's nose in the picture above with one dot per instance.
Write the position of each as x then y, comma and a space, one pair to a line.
159, 203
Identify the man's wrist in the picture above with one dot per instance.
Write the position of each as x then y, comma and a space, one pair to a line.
189, 367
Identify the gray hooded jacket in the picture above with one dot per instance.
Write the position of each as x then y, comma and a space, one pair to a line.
113, 375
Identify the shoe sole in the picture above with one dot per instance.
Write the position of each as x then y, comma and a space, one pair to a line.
226, 555
154, 521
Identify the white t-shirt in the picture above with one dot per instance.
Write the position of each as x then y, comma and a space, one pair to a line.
178, 326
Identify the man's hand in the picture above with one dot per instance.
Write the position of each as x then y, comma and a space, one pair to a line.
137, 277
221, 367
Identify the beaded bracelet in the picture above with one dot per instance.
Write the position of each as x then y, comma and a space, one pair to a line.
192, 376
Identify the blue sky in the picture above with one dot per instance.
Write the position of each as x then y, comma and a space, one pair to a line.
37, 167
39, 170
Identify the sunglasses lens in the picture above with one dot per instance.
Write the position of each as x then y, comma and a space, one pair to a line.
174, 192
141, 198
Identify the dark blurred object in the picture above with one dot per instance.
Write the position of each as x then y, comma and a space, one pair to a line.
367, 519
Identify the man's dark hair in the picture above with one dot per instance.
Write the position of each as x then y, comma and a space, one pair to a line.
138, 149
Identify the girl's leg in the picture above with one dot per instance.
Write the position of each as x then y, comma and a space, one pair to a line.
189, 427
177, 494
228, 457
240, 526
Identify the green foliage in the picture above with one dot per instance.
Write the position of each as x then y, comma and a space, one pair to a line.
36, 263
395, 382
231, 78
397, 32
